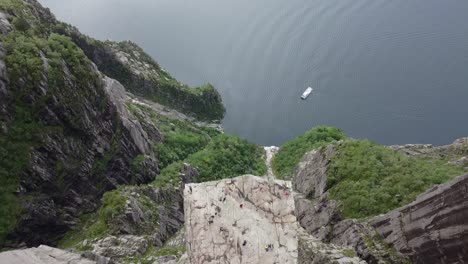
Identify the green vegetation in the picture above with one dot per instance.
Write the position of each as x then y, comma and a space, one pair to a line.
291, 153
204, 101
370, 179
25, 55
181, 138
24, 133
12, 6
350, 253
226, 156
154, 252
94, 226
152, 82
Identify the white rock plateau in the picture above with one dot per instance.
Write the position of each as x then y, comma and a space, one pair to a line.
247, 219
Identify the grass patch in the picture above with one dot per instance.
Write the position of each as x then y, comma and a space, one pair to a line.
291, 153
350, 253
370, 179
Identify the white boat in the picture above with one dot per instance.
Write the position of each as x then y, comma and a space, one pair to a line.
306, 93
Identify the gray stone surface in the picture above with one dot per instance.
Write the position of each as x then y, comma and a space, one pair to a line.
310, 177
5, 25
118, 96
317, 217
43, 255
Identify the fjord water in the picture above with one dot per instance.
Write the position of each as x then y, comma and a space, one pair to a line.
391, 71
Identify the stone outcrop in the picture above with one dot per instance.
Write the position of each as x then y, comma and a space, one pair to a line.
250, 219
432, 229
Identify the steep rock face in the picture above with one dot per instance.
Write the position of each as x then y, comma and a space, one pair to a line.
432, 229
318, 217
117, 95
311, 173
250, 219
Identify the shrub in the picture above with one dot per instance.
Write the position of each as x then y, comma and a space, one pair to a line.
370, 179
291, 153
226, 156
21, 24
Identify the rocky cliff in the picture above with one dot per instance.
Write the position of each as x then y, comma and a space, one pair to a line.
67, 131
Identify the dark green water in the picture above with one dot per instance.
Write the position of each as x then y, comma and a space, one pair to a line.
391, 71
